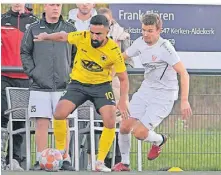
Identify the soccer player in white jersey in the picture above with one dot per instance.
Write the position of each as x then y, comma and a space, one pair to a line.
154, 100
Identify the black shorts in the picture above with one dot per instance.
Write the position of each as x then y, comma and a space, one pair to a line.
99, 94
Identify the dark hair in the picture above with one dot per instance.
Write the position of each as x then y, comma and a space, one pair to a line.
99, 20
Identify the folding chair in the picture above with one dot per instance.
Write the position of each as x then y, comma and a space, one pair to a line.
18, 100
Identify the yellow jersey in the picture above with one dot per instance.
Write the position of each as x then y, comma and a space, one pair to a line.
94, 65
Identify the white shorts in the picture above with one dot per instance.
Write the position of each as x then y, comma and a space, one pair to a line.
43, 104
150, 108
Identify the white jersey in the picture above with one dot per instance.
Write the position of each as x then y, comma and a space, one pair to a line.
157, 61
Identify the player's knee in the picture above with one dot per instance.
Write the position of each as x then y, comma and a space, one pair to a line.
108, 115
109, 122
63, 109
140, 133
126, 126
124, 129
59, 115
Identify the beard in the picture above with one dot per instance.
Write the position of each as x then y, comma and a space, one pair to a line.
96, 43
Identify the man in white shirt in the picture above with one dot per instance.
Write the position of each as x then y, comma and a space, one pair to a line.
154, 100
82, 15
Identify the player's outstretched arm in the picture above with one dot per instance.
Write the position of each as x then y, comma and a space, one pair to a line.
184, 82
58, 36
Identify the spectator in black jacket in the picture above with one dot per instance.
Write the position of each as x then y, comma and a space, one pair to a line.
48, 65
13, 25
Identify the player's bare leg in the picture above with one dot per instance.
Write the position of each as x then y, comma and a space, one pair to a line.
63, 109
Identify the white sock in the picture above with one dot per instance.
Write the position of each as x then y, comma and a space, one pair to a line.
124, 141
38, 156
154, 138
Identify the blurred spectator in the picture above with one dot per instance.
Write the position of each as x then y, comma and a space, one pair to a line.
82, 15
48, 65
28, 8
13, 25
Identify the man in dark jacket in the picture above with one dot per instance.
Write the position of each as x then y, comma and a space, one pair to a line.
48, 65
13, 25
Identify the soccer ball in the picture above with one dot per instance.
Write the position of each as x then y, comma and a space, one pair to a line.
51, 159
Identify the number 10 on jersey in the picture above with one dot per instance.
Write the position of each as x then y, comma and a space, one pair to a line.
109, 95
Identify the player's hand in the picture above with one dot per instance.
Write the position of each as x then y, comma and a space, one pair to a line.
40, 37
122, 107
186, 110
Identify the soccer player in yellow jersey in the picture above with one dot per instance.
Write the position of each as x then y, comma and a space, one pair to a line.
91, 79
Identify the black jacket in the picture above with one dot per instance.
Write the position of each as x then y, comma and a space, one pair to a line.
47, 63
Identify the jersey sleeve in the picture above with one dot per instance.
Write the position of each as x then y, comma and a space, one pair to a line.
169, 54
119, 64
75, 37
133, 50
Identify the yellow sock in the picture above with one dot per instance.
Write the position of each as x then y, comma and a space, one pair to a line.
105, 143
60, 133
